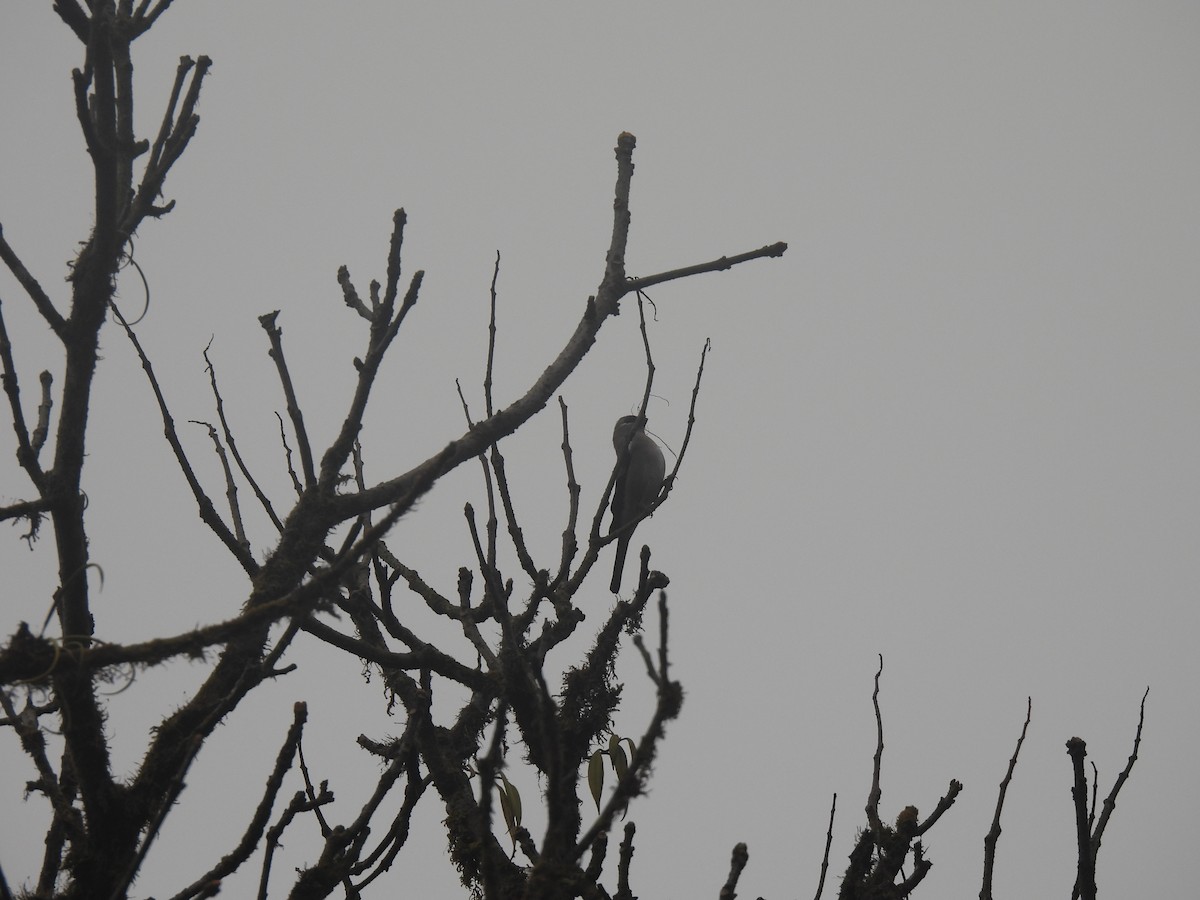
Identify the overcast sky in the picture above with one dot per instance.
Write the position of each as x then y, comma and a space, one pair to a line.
956, 424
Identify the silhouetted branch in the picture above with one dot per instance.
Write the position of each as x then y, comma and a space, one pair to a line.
40, 298
943, 804
716, 265
26, 449
258, 822
993, 835
208, 513
231, 492
737, 863
144, 19
287, 457
275, 336
669, 699
263, 500
876, 790
570, 545
384, 328
491, 350
397, 835
624, 861
72, 13
42, 429
1110, 802
1089, 837
175, 132
828, 845
1085, 880
31, 509
33, 742
298, 804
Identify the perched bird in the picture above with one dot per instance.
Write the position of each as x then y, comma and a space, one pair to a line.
640, 476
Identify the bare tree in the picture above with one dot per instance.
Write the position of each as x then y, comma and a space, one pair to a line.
103, 826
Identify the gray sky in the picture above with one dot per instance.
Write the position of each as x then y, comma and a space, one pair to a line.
955, 425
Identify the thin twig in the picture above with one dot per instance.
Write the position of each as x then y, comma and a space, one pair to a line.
33, 742
298, 804
208, 512
993, 835
876, 791
40, 298
231, 491
275, 337
26, 454
491, 352
828, 844
570, 544
287, 457
716, 265
258, 822
1110, 802
263, 500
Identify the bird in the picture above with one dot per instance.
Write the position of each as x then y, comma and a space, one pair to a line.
639, 477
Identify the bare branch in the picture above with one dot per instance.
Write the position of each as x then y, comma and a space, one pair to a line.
828, 844
489, 767
72, 13
507, 420
165, 804
33, 742
174, 135
231, 493
737, 863
993, 835
716, 265
263, 500
491, 351
623, 863
144, 20
489, 486
287, 455
422, 656
275, 335
1085, 880
570, 545
32, 509
943, 804
876, 791
39, 297
350, 295
258, 822
691, 422
26, 455
397, 835
299, 803
515, 533
208, 513
42, 429
384, 328
1110, 802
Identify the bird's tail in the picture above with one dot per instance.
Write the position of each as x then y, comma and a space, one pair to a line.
619, 563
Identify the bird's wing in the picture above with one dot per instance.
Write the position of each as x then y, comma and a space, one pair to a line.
618, 497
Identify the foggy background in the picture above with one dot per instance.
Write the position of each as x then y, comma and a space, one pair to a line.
955, 425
